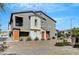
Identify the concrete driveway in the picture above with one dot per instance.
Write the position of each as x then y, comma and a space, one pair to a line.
39, 48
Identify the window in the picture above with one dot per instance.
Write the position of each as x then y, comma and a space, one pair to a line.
24, 33
54, 25
35, 22
42, 22
19, 21
10, 34
29, 17
55, 34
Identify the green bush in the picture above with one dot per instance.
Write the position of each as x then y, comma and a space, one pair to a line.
64, 41
21, 39
4, 45
28, 39
42, 39
53, 37
1, 48
59, 44
62, 44
48, 39
61, 38
76, 45
4, 42
67, 43
36, 39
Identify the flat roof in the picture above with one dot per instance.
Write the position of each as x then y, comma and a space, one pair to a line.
29, 12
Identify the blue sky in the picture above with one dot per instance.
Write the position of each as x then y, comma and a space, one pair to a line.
63, 13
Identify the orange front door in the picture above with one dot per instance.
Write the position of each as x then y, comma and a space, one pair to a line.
16, 35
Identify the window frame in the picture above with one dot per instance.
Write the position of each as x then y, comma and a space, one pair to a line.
23, 34
18, 21
36, 22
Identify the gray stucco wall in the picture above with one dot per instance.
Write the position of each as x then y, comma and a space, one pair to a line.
49, 25
26, 21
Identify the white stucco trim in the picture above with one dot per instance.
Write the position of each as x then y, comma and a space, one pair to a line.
32, 22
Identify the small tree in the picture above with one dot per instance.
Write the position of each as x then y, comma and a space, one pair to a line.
75, 32
61, 34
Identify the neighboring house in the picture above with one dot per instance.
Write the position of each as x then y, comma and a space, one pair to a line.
33, 24
4, 34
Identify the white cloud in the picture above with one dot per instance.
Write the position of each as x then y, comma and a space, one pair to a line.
39, 6
59, 20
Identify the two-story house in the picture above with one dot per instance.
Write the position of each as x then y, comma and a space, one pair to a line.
33, 24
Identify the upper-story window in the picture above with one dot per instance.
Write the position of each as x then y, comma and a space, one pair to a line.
42, 22
19, 21
54, 25
35, 22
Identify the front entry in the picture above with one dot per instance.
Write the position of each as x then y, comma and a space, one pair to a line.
77, 40
42, 35
47, 34
16, 35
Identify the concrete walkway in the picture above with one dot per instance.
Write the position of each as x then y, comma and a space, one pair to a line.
39, 48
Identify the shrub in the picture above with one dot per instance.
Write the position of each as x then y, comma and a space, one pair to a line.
4, 45
1, 48
21, 39
61, 38
4, 42
53, 37
42, 39
63, 44
67, 43
76, 45
64, 41
48, 39
28, 38
36, 39
59, 44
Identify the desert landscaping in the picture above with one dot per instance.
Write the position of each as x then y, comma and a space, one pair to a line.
38, 48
